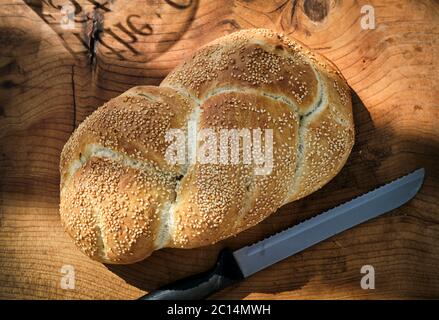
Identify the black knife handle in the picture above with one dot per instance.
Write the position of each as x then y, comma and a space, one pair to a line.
199, 286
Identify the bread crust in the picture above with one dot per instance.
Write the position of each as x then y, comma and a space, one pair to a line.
121, 199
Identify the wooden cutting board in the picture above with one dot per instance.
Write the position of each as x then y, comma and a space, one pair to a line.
53, 74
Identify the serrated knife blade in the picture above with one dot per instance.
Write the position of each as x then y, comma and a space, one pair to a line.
232, 267
284, 244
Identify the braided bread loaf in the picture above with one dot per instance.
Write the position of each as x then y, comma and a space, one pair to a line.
121, 199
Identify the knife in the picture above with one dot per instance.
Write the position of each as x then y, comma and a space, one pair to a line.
232, 267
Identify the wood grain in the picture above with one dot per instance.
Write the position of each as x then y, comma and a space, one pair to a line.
51, 78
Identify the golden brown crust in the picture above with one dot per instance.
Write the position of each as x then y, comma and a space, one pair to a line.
112, 210
121, 199
133, 124
216, 200
115, 182
252, 59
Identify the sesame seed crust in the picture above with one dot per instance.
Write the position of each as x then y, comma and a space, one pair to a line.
216, 200
121, 199
133, 124
258, 58
112, 211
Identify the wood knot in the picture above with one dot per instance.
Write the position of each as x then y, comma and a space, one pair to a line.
316, 10
179, 4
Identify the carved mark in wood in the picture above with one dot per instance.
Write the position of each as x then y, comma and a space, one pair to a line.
122, 38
